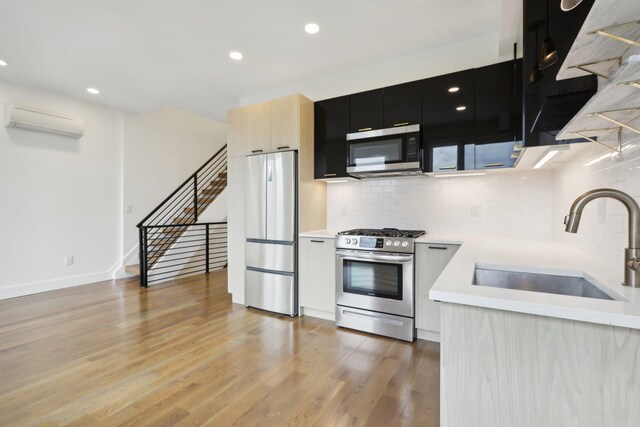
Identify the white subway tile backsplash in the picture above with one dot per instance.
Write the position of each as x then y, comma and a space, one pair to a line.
510, 204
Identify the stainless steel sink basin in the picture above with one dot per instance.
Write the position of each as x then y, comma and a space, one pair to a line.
539, 282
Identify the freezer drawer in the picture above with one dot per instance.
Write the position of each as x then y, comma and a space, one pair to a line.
270, 291
270, 256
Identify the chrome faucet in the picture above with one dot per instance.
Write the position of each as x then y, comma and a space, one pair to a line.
632, 253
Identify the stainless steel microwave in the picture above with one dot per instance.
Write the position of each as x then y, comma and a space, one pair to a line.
384, 152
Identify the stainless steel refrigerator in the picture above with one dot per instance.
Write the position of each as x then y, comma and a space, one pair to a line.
271, 232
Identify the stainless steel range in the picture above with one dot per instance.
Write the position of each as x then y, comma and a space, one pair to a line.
375, 281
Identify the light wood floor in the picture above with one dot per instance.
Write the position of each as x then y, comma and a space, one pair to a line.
182, 354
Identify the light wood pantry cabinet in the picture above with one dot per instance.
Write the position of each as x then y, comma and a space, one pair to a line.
317, 278
269, 126
430, 260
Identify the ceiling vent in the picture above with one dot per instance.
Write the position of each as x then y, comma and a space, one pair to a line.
16, 116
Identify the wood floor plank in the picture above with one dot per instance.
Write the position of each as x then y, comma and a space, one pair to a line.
181, 353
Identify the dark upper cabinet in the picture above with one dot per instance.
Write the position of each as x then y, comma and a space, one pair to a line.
498, 103
402, 104
448, 109
549, 104
330, 147
366, 110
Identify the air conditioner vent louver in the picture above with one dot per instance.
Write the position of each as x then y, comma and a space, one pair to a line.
16, 116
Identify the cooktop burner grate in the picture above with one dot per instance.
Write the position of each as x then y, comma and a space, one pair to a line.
384, 232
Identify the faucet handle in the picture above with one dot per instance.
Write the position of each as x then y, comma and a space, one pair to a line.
634, 264
566, 219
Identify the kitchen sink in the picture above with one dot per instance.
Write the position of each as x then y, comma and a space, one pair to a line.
574, 285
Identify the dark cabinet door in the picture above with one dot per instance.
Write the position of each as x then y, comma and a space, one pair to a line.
330, 142
366, 110
402, 104
499, 102
549, 104
448, 112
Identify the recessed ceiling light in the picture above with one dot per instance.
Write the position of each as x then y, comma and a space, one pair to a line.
93, 91
235, 55
461, 108
454, 89
312, 28
3, 63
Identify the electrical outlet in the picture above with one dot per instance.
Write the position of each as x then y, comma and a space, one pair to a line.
68, 260
476, 209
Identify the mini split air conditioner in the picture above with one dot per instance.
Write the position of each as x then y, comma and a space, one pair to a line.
16, 116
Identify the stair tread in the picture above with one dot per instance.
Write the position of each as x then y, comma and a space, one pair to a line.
132, 269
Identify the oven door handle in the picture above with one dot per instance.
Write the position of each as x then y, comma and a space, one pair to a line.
390, 258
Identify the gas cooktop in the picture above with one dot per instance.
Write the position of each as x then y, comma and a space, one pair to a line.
383, 232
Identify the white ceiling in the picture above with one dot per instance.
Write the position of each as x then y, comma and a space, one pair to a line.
149, 54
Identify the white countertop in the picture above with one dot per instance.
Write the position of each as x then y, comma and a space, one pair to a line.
321, 234
531, 255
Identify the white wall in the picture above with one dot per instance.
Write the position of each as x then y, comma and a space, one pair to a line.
471, 53
64, 197
60, 197
512, 203
161, 150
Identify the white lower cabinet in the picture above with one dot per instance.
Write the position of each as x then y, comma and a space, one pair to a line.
317, 277
430, 260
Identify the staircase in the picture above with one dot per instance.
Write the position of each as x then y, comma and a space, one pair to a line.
173, 243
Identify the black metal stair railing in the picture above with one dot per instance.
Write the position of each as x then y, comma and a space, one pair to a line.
172, 241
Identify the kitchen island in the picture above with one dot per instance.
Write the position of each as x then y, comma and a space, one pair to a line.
513, 357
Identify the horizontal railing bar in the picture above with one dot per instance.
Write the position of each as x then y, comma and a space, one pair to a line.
195, 258
193, 273
157, 265
185, 225
181, 247
179, 269
193, 268
165, 242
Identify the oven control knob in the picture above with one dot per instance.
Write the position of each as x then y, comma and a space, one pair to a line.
405, 244
347, 240
396, 243
389, 243
354, 241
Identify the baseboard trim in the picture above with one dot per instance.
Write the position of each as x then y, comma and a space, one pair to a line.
423, 334
321, 314
52, 285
